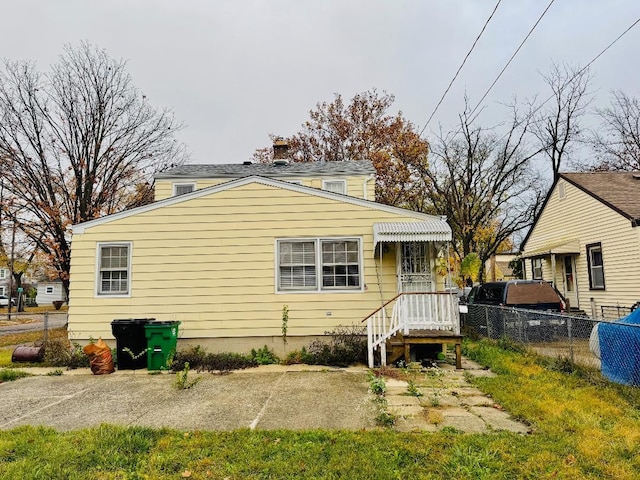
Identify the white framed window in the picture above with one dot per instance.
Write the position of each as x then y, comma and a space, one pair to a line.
114, 269
335, 186
3, 273
3, 290
318, 264
182, 188
536, 267
49, 290
596, 266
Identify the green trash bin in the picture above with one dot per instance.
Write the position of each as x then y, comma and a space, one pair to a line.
162, 340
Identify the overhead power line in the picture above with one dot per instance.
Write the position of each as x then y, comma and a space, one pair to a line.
512, 57
460, 67
577, 74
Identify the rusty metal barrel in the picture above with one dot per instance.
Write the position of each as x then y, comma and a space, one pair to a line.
24, 353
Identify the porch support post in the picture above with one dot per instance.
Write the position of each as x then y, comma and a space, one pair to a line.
553, 270
370, 342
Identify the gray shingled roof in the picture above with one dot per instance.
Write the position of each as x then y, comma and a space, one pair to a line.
618, 190
294, 169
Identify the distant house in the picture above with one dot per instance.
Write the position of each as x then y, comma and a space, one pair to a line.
4, 280
497, 267
586, 239
225, 247
49, 291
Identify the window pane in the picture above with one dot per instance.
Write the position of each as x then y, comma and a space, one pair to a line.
297, 265
114, 269
340, 264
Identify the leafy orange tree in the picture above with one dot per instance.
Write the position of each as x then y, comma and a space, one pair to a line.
363, 129
77, 143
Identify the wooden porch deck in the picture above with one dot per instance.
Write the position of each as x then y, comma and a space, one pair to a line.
401, 343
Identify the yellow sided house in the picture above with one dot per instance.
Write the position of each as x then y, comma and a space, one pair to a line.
226, 254
586, 241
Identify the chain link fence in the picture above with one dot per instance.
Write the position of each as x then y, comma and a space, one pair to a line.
19, 322
581, 339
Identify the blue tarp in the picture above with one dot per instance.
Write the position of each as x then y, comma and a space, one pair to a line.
620, 349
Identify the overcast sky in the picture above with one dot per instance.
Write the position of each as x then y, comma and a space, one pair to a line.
235, 71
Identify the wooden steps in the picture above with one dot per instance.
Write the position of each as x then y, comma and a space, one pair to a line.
400, 344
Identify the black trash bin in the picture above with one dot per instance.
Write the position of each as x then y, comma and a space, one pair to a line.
131, 342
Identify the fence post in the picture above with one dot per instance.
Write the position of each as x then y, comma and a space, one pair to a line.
486, 320
46, 326
569, 333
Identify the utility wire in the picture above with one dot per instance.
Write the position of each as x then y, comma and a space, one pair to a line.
577, 74
512, 57
460, 67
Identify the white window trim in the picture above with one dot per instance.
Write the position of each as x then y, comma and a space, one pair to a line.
3, 290
334, 180
318, 251
49, 290
97, 293
3, 273
590, 266
183, 184
533, 269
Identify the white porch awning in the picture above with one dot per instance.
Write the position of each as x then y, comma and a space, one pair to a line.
437, 230
563, 247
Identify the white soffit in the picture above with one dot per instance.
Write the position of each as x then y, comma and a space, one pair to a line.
427, 231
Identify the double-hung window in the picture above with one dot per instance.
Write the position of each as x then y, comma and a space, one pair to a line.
3, 273
536, 267
114, 269
322, 264
49, 290
596, 266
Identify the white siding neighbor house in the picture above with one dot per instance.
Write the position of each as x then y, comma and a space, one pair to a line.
49, 291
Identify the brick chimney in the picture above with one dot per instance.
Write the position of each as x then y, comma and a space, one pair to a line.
280, 149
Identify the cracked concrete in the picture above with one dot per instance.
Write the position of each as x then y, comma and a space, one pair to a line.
448, 400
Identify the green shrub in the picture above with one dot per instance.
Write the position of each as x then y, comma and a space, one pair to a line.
346, 345
264, 356
297, 357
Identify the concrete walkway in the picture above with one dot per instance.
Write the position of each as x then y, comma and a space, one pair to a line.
268, 397
448, 400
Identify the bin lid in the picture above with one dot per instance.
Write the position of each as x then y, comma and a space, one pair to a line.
129, 321
160, 324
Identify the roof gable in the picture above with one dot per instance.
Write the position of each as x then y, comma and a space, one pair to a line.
81, 227
620, 191
270, 170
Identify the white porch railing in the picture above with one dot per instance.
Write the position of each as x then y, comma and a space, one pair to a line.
411, 311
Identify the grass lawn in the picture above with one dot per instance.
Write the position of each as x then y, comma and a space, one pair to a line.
583, 427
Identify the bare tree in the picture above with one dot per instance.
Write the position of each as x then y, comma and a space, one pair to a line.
77, 143
485, 185
617, 141
557, 126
